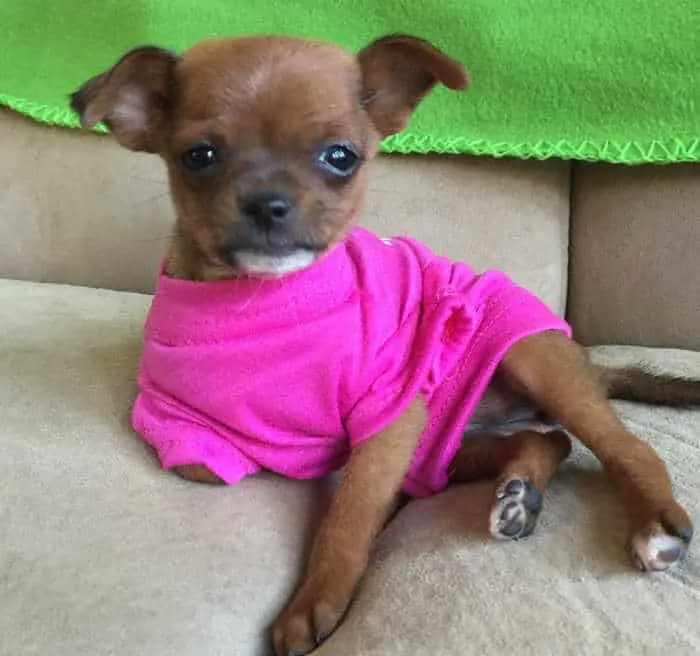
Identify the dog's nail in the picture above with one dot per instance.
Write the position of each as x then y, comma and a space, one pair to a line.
533, 499
685, 533
322, 636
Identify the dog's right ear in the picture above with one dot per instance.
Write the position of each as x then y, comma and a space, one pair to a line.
133, 98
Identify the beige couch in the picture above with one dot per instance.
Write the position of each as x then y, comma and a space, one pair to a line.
102, 553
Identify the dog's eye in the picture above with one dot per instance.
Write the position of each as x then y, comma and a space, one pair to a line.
339, 159
199, 157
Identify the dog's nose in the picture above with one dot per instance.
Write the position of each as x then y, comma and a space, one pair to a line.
268, 208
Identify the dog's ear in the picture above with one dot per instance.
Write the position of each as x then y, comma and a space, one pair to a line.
397, 72
133, 98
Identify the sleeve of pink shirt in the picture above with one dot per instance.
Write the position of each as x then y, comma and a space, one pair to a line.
179, 439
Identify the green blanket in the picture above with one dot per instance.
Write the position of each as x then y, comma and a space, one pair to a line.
615, 80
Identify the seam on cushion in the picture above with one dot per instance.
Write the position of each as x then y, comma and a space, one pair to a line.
569, 237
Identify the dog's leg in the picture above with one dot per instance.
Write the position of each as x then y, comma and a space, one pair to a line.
554, 372
523, 464
342, 547
197, 474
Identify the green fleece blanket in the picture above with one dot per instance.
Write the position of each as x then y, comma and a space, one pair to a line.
615, 80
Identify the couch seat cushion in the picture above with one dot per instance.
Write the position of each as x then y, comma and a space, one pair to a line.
101, 552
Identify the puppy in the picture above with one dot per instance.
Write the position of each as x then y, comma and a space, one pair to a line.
283, 337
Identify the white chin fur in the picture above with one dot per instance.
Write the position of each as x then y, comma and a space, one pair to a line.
274, 265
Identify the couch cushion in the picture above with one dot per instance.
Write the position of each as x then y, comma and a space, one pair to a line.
505, 214
634, 255
103, 553
82, 210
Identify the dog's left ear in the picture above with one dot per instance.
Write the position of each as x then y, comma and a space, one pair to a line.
397, 72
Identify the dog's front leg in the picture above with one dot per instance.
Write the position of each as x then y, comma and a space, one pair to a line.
365, 498
554, 372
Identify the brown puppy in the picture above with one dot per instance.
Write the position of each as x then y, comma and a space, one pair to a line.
276, 131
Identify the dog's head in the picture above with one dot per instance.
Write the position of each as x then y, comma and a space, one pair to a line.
265, 138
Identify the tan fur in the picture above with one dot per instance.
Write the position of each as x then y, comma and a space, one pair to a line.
556, 374
343, 544
643, 385
267, 105
526, 454
197, 474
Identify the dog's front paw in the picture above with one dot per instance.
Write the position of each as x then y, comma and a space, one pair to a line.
312, 615
663, 539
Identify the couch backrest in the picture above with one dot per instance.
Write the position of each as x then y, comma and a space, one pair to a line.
75, 208
78, 209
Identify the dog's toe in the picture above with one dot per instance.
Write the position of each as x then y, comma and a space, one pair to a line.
310, 618
675, 521
517, 505
663, 540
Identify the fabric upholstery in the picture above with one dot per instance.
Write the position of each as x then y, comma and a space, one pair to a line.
102, 553
82, 210
634, 276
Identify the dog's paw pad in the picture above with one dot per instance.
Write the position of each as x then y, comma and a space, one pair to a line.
516, 508
656, 552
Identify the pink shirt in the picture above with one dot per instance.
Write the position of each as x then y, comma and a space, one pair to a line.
289, 374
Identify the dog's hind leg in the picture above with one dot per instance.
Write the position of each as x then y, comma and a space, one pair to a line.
522, 464
553, 371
